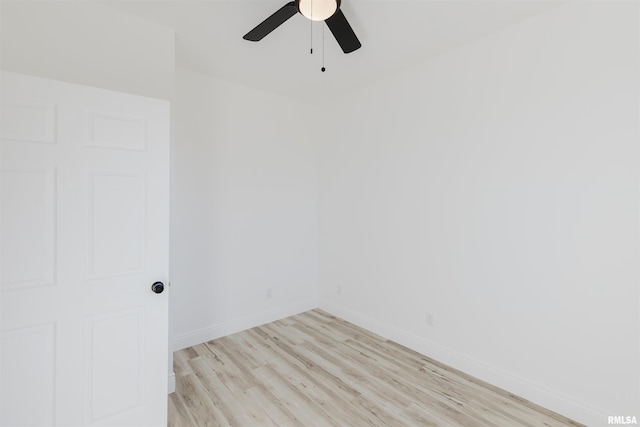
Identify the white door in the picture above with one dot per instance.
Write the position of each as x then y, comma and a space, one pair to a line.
84, 233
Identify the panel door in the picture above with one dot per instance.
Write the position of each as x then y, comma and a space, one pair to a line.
84, 189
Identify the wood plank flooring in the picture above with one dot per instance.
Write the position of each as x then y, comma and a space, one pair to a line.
314, 369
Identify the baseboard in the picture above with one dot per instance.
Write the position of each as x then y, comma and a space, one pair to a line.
238, 325
172, 382
535, 393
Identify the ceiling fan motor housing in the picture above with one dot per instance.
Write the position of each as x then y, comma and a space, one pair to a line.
317, 10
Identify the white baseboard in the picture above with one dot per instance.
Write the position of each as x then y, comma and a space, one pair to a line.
237, 325
535, 393
172, 382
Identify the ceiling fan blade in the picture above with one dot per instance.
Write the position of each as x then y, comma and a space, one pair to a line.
343, 32
272, 22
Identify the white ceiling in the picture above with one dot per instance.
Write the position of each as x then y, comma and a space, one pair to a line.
395, 34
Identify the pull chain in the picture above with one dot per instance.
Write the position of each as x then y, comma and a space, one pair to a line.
323, 69
311, 28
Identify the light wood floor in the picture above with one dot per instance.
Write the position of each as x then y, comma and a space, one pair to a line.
314, 369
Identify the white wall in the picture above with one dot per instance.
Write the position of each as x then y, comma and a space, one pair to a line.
244, 209
496, 187
87, 43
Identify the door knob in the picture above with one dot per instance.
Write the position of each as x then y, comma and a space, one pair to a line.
157, 287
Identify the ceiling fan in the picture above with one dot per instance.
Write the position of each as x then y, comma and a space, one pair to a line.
315, 10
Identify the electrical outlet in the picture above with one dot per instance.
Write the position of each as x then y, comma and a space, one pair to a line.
268, 293
339, 289
428, 319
